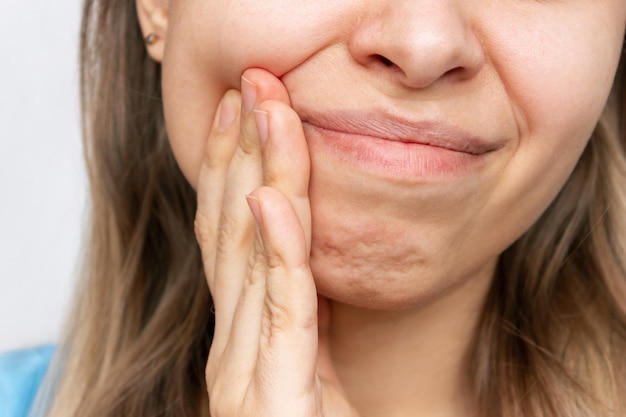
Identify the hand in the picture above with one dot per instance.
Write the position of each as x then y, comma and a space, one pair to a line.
269, 355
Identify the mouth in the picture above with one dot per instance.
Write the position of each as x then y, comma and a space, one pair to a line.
385, 145
379, 125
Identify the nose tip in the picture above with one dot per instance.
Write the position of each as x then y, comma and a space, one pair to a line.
419, 45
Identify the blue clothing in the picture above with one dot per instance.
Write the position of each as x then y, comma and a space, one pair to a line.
21, 373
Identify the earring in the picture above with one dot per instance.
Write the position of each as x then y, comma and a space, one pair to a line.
150, 39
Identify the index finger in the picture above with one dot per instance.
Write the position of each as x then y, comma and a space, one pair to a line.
218, 153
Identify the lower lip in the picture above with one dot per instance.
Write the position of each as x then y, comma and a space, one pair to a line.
393, 159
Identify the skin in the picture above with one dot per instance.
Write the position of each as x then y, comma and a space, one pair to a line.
405, 261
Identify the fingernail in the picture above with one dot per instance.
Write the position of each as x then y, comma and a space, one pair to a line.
227, 113
253, 203
261, 118
248, 95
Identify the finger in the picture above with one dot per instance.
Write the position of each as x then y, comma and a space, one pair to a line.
285, 164
285, 157
289, 331
257, 86
240, 356
332, 390
236, 225
236, 235
325, 368
219, 151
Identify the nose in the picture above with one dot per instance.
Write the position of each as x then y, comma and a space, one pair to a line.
418, 41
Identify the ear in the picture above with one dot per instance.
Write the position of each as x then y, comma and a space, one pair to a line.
153, 19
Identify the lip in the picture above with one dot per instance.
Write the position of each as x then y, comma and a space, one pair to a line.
395, 147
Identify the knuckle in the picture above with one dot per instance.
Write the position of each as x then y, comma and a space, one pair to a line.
283, 318
216, 159
263, 259
275, 261
257, 268
270, 177
278, 317
230, 229
248, 148
257, 256
249, 141
256, 262
203, 229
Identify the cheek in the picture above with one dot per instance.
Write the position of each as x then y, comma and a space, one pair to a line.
558, 79
208, 49
559, 75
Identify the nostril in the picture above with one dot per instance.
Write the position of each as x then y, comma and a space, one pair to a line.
386, 62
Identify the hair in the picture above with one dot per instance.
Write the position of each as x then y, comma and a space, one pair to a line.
551, 341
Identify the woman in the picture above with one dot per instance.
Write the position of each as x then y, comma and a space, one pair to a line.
434, 222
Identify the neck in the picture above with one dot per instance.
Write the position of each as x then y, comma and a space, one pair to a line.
412, 362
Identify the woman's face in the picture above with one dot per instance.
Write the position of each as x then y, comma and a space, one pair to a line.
513, 87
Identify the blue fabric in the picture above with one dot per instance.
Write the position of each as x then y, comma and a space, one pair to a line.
21, 373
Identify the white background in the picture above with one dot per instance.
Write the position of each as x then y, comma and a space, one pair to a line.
42, 180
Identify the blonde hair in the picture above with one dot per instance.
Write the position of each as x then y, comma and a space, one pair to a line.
552, 340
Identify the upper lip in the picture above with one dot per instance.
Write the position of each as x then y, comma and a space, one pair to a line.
394, 128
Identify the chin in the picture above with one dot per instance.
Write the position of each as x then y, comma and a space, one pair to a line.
389, 256
371, 283
394, 277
